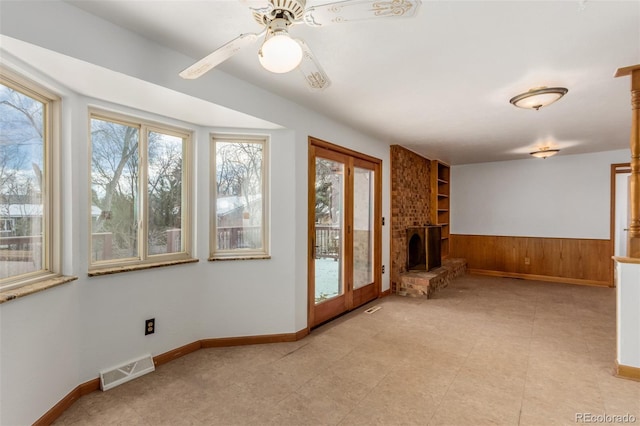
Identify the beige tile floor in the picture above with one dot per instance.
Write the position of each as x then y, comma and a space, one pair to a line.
484, 351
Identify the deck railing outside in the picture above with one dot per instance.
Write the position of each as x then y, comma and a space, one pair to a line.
19, 249
238, 237
228, 238
327, 241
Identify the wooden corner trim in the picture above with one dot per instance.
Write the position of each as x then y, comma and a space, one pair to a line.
385, 293
66, 402
252, 340
628, 372
545, 278
176, 353
90, 386
302, 333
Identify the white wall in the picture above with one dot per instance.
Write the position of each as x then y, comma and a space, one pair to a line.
627, 314
40, 353
54, 340
567, 196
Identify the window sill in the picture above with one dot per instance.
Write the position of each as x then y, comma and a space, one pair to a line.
139, 266
254, 257
36, 287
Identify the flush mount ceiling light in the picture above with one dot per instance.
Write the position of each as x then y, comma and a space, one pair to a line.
544, 152
538, 97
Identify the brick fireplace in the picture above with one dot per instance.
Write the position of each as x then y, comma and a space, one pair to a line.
416, 270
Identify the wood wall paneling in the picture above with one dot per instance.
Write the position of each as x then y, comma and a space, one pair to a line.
579, 261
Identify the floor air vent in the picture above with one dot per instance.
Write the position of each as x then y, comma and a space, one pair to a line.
372, 309
115, 376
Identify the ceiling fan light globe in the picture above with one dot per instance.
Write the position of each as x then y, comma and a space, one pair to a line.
280, 53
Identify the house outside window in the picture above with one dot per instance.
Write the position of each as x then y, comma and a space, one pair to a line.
7, 226
239, 220
29, 227
140, 191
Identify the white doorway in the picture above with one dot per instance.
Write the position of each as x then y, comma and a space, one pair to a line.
622, 214
620, 175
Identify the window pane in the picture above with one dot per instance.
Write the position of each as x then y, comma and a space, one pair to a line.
165, 193
239, 195
363, 210
329, 229
22, 162
114, 190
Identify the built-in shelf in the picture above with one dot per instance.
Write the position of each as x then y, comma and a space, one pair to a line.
440, 177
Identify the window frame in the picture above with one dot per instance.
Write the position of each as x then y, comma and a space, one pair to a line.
144, 259
51, 199
239, 254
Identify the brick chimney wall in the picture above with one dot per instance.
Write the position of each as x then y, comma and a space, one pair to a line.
410, 203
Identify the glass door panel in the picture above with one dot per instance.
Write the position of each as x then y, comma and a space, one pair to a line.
363, 210
329, 229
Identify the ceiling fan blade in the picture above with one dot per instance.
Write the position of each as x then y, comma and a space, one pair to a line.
359, 10
313, 73
219, 55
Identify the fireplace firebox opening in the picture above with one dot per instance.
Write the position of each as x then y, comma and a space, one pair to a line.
423, 248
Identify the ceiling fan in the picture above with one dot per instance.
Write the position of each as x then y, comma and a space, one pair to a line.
280, 53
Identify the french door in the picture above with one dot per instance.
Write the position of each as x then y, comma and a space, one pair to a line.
344, 230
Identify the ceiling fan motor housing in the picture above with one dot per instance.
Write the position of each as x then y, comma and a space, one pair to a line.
278, 26
291, 10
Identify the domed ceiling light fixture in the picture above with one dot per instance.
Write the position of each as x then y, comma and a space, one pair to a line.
544, 152
538, 97
279, 52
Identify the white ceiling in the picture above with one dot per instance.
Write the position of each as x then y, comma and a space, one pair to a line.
439, 83
100, 83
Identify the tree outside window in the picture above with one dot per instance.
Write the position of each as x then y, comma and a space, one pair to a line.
24, 140
139, 200
239, 224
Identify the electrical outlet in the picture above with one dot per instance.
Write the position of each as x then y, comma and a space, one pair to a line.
527, 261
149, 326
